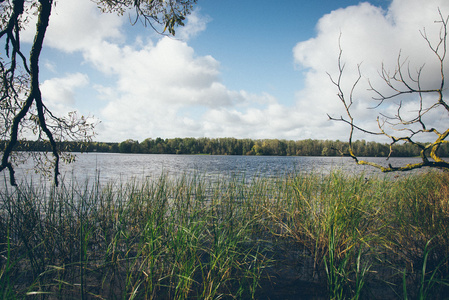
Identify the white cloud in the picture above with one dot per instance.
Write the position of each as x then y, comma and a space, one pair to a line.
59, 93
163, 88
195, 24
370, 36
77, 25
78, 32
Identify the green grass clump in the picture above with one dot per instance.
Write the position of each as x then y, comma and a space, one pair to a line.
193, 238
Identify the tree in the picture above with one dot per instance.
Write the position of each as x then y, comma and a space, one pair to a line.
129, 146
23, 113
403, 127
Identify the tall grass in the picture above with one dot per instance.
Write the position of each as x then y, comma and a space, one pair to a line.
193, 238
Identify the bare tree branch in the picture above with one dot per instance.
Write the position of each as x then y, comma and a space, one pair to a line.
403, 128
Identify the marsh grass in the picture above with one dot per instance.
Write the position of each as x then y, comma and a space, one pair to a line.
193, 238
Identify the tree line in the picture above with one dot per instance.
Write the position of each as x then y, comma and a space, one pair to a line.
232, 146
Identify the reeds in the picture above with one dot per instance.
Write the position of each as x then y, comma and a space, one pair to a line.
193, 238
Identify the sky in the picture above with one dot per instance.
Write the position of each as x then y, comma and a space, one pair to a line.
242, 69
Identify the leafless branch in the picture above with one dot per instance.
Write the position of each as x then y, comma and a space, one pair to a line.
402, 128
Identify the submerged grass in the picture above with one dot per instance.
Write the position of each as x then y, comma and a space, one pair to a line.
291, 237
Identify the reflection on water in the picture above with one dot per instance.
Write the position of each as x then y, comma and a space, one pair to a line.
123, 167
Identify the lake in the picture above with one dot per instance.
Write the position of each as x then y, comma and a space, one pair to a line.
123, 167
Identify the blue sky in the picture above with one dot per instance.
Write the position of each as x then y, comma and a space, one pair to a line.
244, 69
254, 42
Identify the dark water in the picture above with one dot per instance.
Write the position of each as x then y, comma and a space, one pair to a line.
123, 167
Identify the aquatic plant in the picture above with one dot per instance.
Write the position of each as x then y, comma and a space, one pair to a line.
193, 237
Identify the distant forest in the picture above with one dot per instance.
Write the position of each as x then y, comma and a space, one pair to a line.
232, 146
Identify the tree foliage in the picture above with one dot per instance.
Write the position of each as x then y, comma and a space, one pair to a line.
409, 126
274, 147
232, 146
23, 112
168, 13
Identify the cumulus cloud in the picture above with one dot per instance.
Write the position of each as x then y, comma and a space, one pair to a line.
59, 93
161, 87
195, 24
371, 37
78, 25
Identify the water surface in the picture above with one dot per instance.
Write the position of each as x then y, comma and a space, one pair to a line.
123, 167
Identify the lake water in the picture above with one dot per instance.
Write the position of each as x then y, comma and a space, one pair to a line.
123, 167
